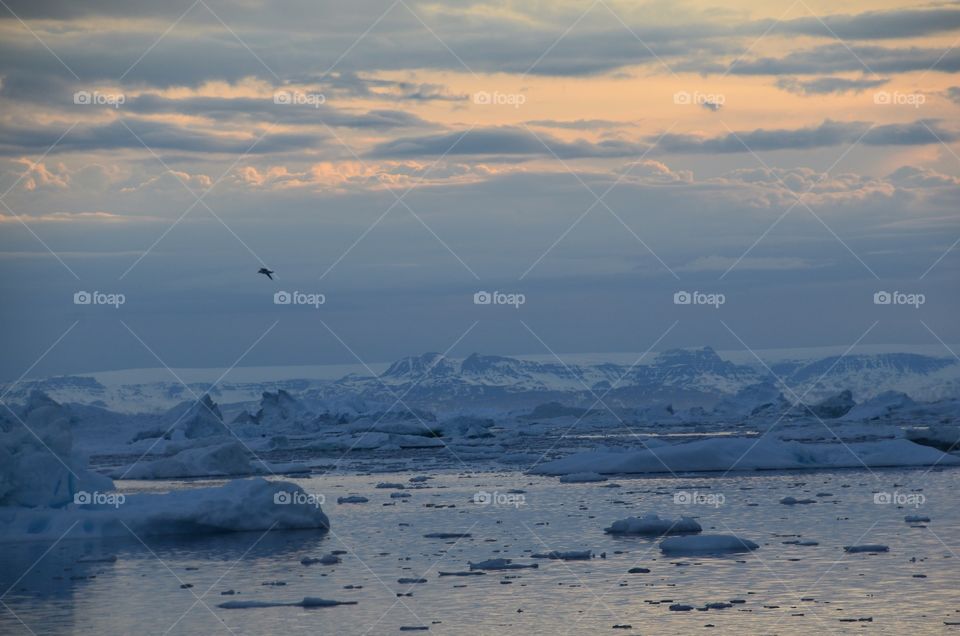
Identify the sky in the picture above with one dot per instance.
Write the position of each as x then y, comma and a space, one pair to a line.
792, 169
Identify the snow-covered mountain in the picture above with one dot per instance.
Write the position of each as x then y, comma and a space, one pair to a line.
683, 378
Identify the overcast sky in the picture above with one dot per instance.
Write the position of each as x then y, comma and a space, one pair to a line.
399, 157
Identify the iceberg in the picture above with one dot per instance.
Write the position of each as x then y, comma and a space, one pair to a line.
242, 505
745, 453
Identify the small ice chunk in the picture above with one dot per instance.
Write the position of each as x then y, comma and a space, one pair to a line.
706, 544
501, 564
352, 499
866, 547
572, 555
653, 525
793, 501
308, 601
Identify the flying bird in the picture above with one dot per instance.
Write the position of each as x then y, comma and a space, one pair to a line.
266, 272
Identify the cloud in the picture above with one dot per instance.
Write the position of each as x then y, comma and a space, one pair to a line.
920, 177
504, 140
37, 175
344, 176
74, 217
578, 124
18, 140
828, 133
264, 108
839, 58
781, 187
876, 25
650, 171
173, 179
756, 263
828, 85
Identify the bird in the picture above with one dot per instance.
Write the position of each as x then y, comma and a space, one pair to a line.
266, 272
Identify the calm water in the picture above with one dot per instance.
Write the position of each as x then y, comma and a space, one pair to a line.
786, 589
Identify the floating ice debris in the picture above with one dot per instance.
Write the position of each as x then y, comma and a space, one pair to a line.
352, 499
866, 547
917, 519
572, 555
419, 479
501, 564
792, 501
707, 544
717, 605
410, 581
447, 535
400, 495
679, 607
328, 559
390, 484
461, 573
653, 525
308, 601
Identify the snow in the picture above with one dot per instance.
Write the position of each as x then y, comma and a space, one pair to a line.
744, 453
653, 525
706, 544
